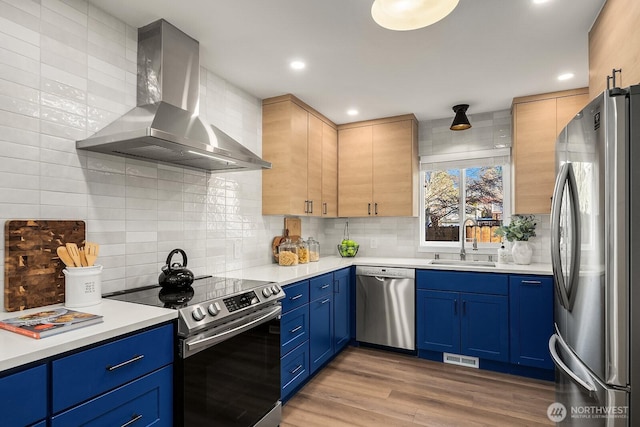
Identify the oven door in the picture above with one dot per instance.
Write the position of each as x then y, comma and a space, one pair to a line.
230, 375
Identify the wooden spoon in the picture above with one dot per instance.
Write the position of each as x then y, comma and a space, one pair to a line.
64, 256
91, 251
74, 253
83, 258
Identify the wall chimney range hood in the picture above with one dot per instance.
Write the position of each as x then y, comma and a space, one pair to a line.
165, 127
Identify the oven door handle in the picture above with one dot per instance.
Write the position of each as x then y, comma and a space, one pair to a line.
219, 337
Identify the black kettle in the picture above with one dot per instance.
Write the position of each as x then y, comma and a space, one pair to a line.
176, 275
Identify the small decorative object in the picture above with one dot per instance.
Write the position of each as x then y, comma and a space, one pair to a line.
347, 248
503, 255
521, 229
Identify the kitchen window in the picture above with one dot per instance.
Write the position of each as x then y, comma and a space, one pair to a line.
463, 199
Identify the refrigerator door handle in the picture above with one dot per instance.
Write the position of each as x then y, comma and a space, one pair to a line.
553, 342
564, 290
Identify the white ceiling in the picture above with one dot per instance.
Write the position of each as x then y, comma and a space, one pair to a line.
483, 54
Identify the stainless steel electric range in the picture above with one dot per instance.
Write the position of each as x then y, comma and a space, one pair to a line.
227, 370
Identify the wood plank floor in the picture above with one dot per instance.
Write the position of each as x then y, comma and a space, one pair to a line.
369, 387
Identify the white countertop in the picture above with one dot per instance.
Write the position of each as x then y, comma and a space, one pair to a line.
119, 318
290, 274
123, 317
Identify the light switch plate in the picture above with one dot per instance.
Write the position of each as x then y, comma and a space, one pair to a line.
373, 242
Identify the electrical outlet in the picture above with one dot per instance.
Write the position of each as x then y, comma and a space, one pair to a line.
373, 243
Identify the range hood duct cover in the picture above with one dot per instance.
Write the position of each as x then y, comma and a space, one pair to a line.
165, 127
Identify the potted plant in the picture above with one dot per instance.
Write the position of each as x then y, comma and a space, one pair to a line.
519, 231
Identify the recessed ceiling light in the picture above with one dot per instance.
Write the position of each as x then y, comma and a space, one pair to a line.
540, 1
352, 112
297, 65
565, 76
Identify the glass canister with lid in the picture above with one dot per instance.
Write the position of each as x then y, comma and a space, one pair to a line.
303, 251
314, 249
288, 253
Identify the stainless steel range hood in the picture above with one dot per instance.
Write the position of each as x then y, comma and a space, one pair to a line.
165, 127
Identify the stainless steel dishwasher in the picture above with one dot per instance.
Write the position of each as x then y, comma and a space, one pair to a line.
385, 306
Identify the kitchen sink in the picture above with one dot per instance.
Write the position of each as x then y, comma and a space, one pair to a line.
457, 262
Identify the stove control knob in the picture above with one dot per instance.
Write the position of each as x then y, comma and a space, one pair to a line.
214, 309
198, 314
275, 289
266, 292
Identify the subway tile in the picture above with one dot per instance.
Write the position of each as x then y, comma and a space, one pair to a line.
30, 6
66, 14
62, 90
64, 77
19, 31
16, 51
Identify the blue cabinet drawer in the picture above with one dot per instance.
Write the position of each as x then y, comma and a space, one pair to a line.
23, 397
458, 281
321, 286
84, 375
295, 368
297, 294
147, 400
294, 329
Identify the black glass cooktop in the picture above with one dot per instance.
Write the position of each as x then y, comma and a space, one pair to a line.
204, 288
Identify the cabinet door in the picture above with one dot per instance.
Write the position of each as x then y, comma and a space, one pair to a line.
438, 326
329, 171
531, 320
566, 109
284, 144
534, 155
294, 369
24, 397
355, 170
320, 331
484, 325
393, 169
314, 166
341, 312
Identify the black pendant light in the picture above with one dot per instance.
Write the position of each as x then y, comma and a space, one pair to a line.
460, 121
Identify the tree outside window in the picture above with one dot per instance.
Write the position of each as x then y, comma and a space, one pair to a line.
478, 192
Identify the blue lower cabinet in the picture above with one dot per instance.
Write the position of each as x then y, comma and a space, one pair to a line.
531, 320
294, 369
144, 402
88, 373
294, 329
341, 309
484, 326
320, 331
23, 397
438, 327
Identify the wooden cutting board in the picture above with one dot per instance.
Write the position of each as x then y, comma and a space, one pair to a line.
294, 226
32, 270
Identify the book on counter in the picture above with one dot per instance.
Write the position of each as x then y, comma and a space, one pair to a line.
50, 322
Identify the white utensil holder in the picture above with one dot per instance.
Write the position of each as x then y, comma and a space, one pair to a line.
82, 286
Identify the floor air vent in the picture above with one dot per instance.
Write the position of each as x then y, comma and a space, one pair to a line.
458, 359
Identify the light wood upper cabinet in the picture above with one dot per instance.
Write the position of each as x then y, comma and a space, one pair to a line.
378, 167
537, 121
329, 171
614, 42
293, 136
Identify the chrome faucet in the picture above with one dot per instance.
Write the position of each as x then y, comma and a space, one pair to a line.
463, 253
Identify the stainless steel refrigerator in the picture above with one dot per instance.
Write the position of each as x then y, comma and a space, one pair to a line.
595, 246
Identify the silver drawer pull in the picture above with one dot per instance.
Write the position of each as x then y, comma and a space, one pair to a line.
325, 286
531, 282
325, 301
296, 329
293, 298
133, 419
120, 365
297, 368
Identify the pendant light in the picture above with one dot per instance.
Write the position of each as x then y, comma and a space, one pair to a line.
460, 121
404, 15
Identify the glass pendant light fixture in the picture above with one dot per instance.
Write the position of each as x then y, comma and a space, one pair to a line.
404, 15
460, 121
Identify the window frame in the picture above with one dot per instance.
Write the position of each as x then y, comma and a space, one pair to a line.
461, 164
